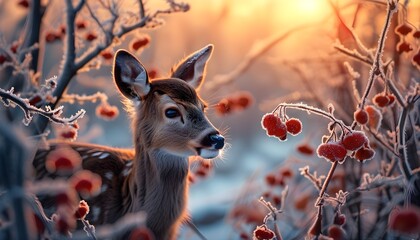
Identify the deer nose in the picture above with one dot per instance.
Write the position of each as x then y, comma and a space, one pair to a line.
217, 140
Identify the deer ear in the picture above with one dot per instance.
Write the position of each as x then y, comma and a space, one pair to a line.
130, 76
192, 68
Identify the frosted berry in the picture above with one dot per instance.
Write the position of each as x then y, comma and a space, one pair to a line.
269, 121
380, 100
106, 111
354, 140
86, 183
364, 154
294, 126
337, 232
332, 151
416, 34
361, 116
404, 47
339, 219
263, 233
403, 29
375, 117
82, 210
391, 99
405, 220
62, 160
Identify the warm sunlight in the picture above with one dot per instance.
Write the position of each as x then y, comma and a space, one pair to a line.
303, 11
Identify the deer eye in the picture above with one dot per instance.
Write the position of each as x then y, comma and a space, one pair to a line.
172, 113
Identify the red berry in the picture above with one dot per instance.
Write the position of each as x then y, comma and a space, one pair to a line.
35, 99
62, 160
380, 100
80, 24
364, 154
286, 172
332, 151
51, 37
337, 232
361, 116
405, 220
403, 29
416, 34
263, 233
403, 46
243, 100
270, 179
141, 233
141, 42
269, 121
82, 210
416, 59
23, 3
2, 58
391, 99
86, 183
153, 73
294, 126
14, 47
107, 111
354, 140
375, 117
91, 36
280, 131
305, 149
106, 54
339, 219
277, 200
224, 106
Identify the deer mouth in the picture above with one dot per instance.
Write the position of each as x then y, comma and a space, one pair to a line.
207, 153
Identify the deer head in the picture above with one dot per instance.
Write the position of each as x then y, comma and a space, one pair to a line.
169, 113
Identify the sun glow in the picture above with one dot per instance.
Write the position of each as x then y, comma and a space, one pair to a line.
304, 11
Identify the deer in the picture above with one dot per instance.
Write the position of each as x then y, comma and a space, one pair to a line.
169, 127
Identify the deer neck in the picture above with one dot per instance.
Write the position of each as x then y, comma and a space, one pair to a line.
158, 185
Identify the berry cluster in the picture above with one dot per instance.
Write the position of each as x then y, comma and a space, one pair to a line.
236, 102
202, 171
275, 127
403, 46
383, 100
354, 143
106, 111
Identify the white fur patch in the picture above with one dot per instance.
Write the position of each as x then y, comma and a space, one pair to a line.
209, 153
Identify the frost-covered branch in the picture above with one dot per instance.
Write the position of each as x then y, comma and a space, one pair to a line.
10, 99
